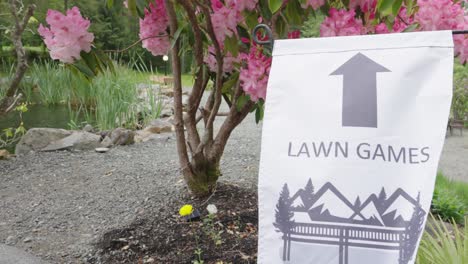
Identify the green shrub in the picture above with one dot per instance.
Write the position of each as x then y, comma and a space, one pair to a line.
441, 246
450, 200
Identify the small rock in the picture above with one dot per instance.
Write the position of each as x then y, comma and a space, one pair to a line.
106, 142
27, 240
122, 136
4, 154
158, 126
102, 150
211, 208
88, 128
10, 240
150, 260
126, 247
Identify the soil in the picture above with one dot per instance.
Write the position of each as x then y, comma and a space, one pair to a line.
230, 236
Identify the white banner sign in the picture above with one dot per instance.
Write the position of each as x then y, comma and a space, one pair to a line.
352, 135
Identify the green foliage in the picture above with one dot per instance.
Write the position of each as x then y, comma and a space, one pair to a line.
311, 27
460, 92
450, 199
441, 246
10, 135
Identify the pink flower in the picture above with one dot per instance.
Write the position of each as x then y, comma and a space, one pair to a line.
444, 15
439, 15
365, 5
125, 3
155, 24
228, 61
294, 34
381, 28
315, 4
67, 36
402, 21
341, 23
224, 19
254, 76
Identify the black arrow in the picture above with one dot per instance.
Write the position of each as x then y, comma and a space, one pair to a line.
359, 91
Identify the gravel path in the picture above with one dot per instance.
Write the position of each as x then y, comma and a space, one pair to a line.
454, 160
55, 205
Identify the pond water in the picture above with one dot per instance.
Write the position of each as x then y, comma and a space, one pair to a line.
57, 116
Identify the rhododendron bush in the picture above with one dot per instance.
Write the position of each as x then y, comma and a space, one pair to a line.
218, 34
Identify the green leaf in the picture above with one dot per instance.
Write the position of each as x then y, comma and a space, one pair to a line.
281, 27
84, 69
110, 3
227, 85
241, 101
411, 28
384, 6
8, 132
177, 34
251, 19
265, 10
396, 7
294, 12
275, 5
232, 45
259, 113
132, 7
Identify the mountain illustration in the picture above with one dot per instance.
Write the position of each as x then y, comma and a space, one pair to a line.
329, 214
370, 212
329, 204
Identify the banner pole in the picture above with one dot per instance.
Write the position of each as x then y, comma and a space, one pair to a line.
269, 42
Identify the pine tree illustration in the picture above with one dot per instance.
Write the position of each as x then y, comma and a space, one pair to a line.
414, 229
309, 192
283, 213
357, 203
381, 199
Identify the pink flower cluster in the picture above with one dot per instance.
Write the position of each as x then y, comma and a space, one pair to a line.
228, 61
67, 36
315, 4
445, 15
226, 16
341, 23
254, 76
153, 29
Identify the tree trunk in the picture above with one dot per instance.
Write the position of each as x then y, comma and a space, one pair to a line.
203, 178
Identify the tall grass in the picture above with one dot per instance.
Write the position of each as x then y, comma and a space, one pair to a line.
460, 189
442, 246
107, 101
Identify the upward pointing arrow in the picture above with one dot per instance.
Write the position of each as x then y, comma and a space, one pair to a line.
359, 91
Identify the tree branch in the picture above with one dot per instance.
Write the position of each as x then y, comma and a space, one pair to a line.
135, 43
178, 118
208, 135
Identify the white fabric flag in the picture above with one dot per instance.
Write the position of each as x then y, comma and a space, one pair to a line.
352, 135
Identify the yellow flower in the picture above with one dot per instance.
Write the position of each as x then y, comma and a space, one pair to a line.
185, 210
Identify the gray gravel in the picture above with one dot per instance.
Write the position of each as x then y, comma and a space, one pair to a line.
454, 159
55, 205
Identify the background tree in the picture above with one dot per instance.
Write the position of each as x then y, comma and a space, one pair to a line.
21, 16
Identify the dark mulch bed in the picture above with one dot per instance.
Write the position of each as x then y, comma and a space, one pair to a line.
229, 237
